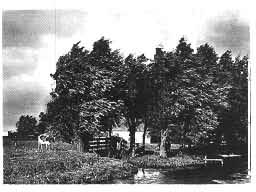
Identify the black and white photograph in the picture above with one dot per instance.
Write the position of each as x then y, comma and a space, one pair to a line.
126, 93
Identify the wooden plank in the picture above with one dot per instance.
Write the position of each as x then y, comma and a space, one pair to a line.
97, 149
217, 160
95, 146
98, 141
99, 144
229, 156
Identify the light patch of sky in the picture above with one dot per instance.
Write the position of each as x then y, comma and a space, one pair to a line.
133, 27
137, 32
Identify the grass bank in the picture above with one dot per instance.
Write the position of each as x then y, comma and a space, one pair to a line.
176, 162
61, 166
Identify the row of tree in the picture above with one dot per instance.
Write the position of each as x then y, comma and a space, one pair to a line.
192, 96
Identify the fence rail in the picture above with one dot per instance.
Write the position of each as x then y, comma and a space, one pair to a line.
99, 144
107, 145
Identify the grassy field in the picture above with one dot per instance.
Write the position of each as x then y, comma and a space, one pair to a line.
23, 164
175, 162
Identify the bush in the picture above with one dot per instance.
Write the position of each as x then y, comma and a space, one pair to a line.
61, 146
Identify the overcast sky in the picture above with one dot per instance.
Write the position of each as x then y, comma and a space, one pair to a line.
34, 39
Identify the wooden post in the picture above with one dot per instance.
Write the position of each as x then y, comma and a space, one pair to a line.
97, 141
216, 160
108, 147
222, 163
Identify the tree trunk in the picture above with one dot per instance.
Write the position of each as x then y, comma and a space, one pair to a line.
144, 133
164, 135
132, 130
132, 140
185, 128
182, 135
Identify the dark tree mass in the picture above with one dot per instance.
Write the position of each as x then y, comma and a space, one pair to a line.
187, 96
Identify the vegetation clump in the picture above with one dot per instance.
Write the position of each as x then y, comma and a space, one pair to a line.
61, 167
177, 162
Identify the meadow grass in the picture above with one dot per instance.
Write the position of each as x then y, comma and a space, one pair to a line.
175, 162
61, 165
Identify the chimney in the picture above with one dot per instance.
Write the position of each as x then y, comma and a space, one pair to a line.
159, 52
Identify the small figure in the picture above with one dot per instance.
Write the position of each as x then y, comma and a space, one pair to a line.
43, 139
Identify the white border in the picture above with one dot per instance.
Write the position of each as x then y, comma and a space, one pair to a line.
76, 4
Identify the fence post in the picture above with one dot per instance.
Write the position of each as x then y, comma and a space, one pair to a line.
97, 144
109, 147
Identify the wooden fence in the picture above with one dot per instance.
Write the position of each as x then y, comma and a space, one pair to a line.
99, 144
107, 146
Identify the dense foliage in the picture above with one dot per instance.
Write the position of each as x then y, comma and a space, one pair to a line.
27, 126
184, 96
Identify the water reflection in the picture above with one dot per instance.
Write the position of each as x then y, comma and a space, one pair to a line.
232, 173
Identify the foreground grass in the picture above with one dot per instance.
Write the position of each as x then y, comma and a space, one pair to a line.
61, 166
176, 162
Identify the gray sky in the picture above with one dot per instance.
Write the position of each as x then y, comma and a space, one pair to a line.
33, 40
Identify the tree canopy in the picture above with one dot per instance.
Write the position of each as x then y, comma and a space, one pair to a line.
185, 95
26, 126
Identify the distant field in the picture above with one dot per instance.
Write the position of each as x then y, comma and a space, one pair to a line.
27, 145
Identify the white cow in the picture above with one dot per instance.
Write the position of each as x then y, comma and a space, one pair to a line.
43, 140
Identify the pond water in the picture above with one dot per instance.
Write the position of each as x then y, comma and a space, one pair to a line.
230, 173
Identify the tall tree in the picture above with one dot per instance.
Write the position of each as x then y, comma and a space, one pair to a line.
104, 108
224, 80
130, 83
26, 126
71, 89
83, 82
234, 125
144, 94
183, 96
160, 105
